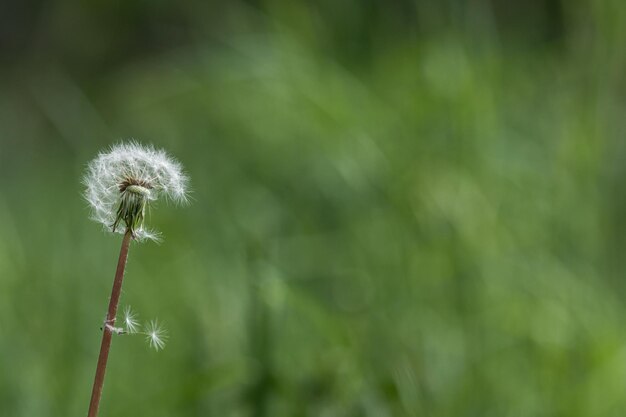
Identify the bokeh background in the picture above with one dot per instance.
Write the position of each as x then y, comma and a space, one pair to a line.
400, 208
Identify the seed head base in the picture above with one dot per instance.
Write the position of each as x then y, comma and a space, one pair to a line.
132, 208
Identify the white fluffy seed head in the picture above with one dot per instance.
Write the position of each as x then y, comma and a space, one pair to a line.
132, 170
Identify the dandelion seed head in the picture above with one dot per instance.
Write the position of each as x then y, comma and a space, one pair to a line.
155, 335
121, 182
130, 320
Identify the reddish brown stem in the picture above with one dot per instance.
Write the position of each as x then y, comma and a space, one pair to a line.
106, 330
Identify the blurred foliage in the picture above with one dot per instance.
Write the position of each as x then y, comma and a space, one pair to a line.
404, 208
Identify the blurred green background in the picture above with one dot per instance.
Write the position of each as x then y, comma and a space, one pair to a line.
401, 208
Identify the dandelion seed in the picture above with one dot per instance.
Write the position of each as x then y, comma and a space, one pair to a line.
130, 320
122, 182
155, 335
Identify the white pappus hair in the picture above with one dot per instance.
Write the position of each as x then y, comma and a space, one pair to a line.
123, 180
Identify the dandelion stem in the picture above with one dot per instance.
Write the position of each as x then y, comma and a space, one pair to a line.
107, 332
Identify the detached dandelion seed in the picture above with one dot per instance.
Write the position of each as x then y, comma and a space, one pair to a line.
155, 335
120, 184
130, 320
